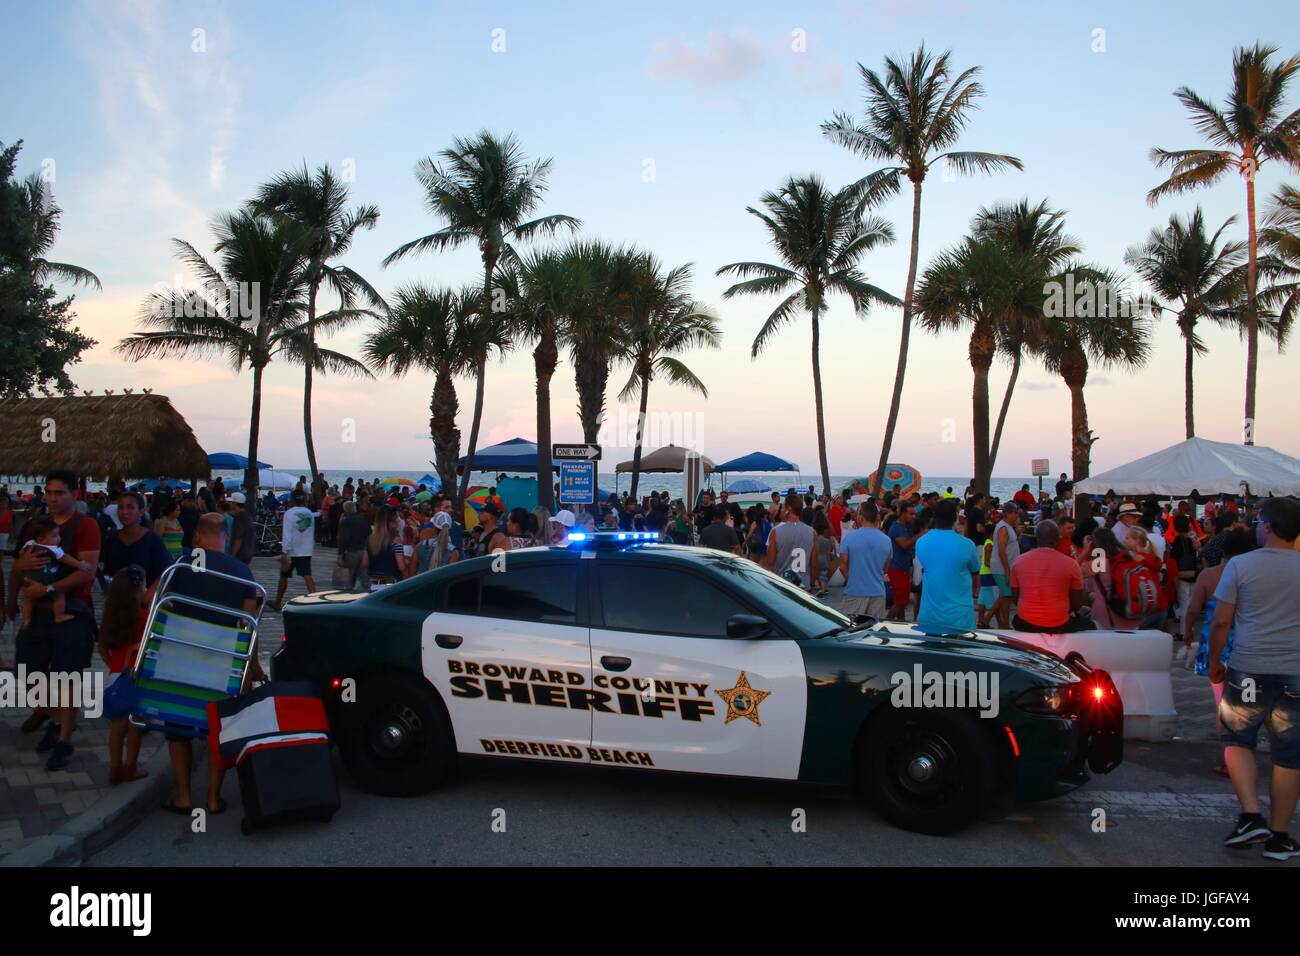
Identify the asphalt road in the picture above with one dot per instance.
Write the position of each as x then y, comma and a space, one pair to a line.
1162, 807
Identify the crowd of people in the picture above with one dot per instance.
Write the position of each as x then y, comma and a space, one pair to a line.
1221, 574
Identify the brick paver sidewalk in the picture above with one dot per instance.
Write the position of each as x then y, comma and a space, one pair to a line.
35, 802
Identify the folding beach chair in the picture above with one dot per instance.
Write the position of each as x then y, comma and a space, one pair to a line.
187, 659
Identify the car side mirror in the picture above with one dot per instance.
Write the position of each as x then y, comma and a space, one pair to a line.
747, 627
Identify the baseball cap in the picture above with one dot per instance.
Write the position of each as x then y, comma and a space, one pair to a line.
491, 509
442, 520
237, 497
564, 516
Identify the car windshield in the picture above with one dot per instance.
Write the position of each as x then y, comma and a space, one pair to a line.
806, 614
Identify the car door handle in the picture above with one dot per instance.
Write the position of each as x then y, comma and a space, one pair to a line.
449, 641
615, 663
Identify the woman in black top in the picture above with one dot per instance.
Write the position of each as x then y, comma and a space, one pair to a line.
135, 543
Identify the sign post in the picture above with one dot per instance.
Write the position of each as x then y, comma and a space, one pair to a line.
577, 482
1040, 467
575, 452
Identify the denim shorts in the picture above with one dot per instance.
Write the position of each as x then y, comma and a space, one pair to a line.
1274, 701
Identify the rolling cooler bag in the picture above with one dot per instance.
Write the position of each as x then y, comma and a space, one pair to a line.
277, 739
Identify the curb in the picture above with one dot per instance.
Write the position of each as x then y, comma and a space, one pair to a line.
100, 824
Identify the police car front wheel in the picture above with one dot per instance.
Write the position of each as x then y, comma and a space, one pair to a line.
927, 771
395, 737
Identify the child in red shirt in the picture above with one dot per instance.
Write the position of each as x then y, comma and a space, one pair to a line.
126, 611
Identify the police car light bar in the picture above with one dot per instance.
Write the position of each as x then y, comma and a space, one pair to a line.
582, 538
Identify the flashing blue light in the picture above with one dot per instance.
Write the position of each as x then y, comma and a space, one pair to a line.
600, 537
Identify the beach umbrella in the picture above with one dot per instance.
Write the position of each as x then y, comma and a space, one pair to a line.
906, 477
151, 484
230, 461
746, 486
432, 482
396, 480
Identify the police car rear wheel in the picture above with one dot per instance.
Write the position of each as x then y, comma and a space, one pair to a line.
927, 771
396, 740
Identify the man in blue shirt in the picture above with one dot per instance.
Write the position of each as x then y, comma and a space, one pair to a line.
864, 552
900, 560
951, 568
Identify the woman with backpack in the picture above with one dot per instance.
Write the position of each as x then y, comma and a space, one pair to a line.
760, 529
1124, 580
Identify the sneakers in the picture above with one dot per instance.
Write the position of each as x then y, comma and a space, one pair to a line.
48, 739
1250, 828
1280, 846
60, 757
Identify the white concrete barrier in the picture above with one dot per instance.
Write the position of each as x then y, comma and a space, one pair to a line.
1138, 662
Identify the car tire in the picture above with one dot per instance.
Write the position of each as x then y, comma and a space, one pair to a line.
927, 771
395, 738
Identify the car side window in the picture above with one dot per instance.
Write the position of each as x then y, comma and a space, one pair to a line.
462, 595
662, 600
544, 594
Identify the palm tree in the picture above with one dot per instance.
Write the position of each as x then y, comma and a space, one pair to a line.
427, 328
483, 188
38, 202
990, 285
1202, 273
820, 237
1281, 236
1249, 133
221, 318
598, 314
664, 321
536, 293
1037, 231
319, 204
1104, 329
915, 114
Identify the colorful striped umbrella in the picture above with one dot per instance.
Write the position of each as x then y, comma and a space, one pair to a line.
906, 477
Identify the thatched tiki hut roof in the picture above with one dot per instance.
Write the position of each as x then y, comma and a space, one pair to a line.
99, 437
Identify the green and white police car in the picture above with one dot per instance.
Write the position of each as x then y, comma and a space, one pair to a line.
618, 652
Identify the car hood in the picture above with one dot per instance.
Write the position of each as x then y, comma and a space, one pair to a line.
979, 644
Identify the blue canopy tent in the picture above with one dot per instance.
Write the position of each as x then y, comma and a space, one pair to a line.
759, 462
756, 462
517, 454
229, 461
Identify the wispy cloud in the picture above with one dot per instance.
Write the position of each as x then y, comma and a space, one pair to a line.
722, 58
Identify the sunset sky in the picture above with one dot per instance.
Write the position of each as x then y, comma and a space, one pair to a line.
664, 121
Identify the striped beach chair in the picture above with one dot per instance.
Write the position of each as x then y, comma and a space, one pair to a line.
186, 659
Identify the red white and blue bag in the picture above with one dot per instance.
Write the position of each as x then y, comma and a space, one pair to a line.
276, 714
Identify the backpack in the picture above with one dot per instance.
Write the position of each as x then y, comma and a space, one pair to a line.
1137, 590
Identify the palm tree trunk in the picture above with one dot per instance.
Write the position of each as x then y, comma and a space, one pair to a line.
901, 371
307, 382
981, 360
480, 370
1002, 412
1075, 373
817, 403
1252, 319
254, 433
443, 408
1188, 354
545, 358
640, 431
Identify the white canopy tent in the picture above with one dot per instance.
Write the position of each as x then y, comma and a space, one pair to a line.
1208, 467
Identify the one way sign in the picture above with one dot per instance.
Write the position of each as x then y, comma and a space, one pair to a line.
578, 452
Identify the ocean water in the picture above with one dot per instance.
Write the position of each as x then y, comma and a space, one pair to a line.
1002, 488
